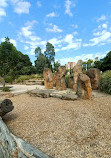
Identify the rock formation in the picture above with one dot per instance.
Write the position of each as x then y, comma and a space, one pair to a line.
76, 71
48, 78
71, 82
95, 77
54, 79
84, 89
60, 78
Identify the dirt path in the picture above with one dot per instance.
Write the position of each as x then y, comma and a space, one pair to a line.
63, 129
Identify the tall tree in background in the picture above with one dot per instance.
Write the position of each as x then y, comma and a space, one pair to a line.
50, 53
37, 51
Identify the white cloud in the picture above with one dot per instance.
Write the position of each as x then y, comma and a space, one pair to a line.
104, 26
83, 57
101, 35
26, 47
68, 5
52, 14
54, 28
2, 12
14, 42
26, 31
3, 3
102, 38
39, 4
21, 6
102, 18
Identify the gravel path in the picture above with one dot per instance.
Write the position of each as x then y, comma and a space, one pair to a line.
63, 129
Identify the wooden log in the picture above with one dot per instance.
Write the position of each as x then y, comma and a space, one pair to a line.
5, 107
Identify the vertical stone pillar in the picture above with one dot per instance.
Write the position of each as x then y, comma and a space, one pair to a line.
48, 78
60, 78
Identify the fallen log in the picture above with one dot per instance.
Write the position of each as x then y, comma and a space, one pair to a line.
5, 107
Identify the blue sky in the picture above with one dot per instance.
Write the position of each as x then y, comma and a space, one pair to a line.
79, 29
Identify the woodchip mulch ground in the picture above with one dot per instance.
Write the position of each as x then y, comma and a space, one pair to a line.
63, 129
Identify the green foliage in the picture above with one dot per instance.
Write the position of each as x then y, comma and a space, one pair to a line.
23, 78
106, 82
67, 80
106, 64
98, 64
13, 62
87, 65
5, 89
9, 79
50, 52
56, 65
41, 63
37, 51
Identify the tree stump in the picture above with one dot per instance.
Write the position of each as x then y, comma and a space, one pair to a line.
5, 107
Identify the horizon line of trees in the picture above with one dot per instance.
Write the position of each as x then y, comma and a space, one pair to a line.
14, 63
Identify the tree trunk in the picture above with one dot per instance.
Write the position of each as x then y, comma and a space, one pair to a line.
3, 82
5, 107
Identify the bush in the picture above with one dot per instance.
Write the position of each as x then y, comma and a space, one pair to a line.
22, 78
5, 89
9, 79
67, 79
106, 82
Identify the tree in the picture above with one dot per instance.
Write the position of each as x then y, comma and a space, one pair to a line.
97, 64
37, 51
89, 62
8, 57
56, 65
106, 64
50, 52
41, 63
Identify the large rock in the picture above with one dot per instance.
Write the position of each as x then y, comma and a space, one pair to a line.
60, 78
54, 79
84, 89
95, 77
71, 82
48, 78
13, 147
76, 71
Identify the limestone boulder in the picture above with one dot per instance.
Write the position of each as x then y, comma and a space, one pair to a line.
95, 77
60, 78
76, 71
84, 89
48, 78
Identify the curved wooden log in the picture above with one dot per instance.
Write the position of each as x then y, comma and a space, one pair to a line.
14, 147
5, 107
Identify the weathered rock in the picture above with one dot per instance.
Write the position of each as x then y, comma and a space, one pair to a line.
95, 77
5, 107
71, 82
48, 78
54, 79
70, 97
13, 147
76, 71
60, 78
40, 93
84, 89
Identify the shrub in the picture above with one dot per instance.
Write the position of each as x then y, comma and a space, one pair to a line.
67, 79
5, 89
22, 78
9, 79
106, 82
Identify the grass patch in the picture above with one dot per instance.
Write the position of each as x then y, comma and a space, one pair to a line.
6, 89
